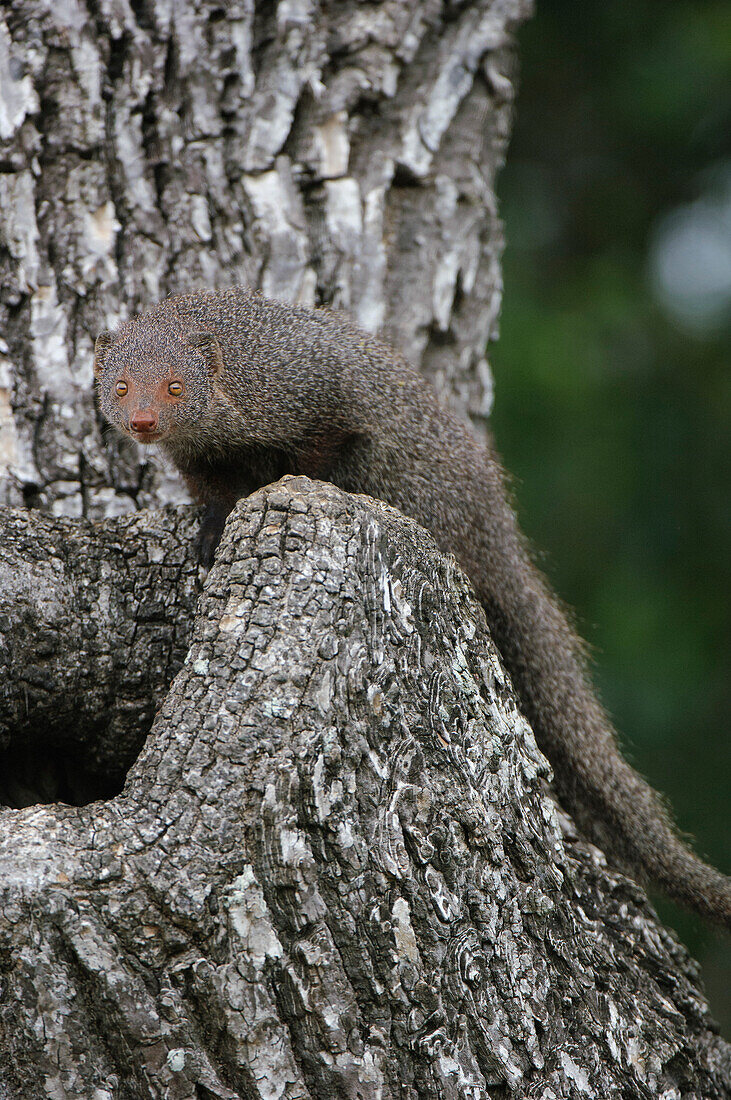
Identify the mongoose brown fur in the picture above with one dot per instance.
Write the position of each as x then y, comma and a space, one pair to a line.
240, 390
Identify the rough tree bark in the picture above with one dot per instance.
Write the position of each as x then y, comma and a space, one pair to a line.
95, 624
335, 868
336, 152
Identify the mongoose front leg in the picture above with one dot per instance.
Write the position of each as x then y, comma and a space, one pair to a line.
211, 528
219, 504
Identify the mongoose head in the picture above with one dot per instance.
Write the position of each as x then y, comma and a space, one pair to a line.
154, 385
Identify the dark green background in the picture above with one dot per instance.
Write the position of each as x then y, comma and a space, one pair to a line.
614, 420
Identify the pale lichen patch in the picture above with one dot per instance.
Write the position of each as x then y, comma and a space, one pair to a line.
249, 918
403, 932
333, 145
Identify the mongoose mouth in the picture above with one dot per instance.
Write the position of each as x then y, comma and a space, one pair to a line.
146, 437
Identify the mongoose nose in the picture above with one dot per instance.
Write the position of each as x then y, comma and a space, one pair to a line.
144, 421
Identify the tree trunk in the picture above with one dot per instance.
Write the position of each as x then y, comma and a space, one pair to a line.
323, 151
336, 867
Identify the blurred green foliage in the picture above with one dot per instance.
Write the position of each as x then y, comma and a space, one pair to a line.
614, 420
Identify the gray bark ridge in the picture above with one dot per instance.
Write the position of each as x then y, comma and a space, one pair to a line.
336, 869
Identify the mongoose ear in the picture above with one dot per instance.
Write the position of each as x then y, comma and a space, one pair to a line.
102, 345
209, 347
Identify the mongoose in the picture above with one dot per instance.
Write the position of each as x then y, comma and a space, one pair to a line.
239, 390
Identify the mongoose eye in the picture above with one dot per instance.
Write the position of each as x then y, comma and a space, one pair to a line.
121, 389
175, 389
